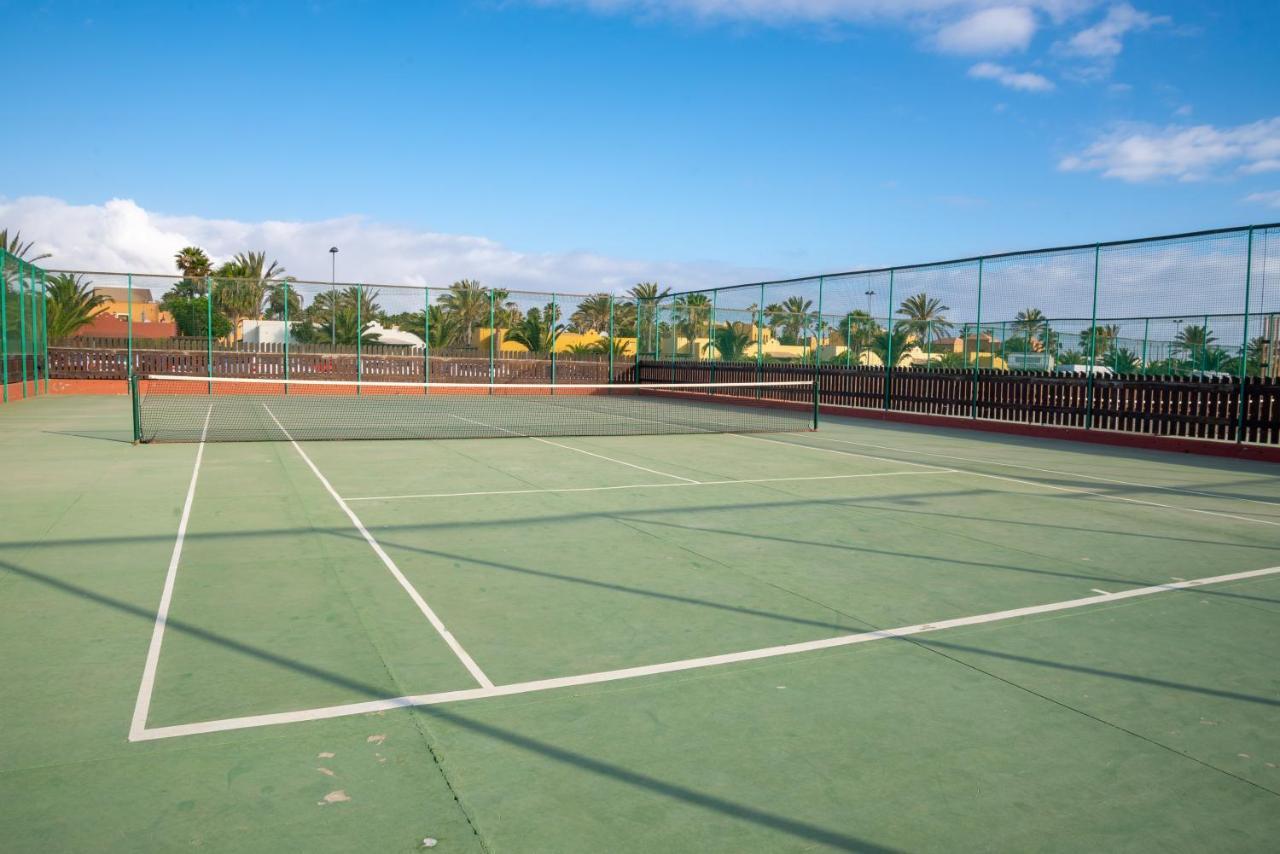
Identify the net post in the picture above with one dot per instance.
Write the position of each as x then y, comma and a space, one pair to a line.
711, 334
359, 336
610, 339
977, 345
493, 334
817, 332
817, 374
285, 284
426, 339
1244, 343
22, 324
137, 413
208, 329
553, 336
1093, 341
888, 333
4, 324
129, 325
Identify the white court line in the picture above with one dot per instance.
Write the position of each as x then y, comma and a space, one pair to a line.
1051, 471
838, 451
672, 666
142, 706
571, 448
644, 485
436, 622
1099, 592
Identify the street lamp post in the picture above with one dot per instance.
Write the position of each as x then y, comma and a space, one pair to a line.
869, 294
333, 296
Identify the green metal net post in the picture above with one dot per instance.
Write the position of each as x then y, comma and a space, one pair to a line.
426, 337
359, 336
208, 328
133, 399
888, 350
1244, 343
977, 345
286, 336
22, 323
493, 334
4, 324
1093, 341
611, 347
44, 325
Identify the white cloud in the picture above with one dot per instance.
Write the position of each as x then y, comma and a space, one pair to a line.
1270, 199
1105, 39
122, 236
1183, 112
1025, 81
1186, 153
988, 31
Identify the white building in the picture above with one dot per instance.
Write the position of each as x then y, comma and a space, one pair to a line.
272, 332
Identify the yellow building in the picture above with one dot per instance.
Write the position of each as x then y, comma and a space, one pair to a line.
565, 342
144, 307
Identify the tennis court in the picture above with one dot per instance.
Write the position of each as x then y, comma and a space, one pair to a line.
861, 637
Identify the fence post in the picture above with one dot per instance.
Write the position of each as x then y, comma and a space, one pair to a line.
493, 334
1093, 341
287, 336
817, 333
760, 337
711, 335
22, 324
359, 335
426, 338
555, 311
44, 324
1244, 344
4, 323
888, 338
129, 325
611, 348
977, 345
208, 329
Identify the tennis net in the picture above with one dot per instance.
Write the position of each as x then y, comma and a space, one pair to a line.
223, 409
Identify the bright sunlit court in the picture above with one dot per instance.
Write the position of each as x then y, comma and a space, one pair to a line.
562, 628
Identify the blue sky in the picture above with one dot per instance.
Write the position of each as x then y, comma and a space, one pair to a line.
580, 143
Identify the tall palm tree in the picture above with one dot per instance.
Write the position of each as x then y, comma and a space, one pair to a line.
345, 324
624, 318
469, 302
1103, 338
443, 329
731, 340
535, 331
857, 328
1194, 339
794, 315
71, 304
692, 313
926, 319
1028, 322
193, 263
647, 291
885, 341
15, 247
592, 314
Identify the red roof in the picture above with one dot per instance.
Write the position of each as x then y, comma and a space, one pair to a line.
109, 326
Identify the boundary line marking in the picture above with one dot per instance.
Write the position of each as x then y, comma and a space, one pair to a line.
571, 448
644, 485
436, 622
142, 706
323, 713
1053, 471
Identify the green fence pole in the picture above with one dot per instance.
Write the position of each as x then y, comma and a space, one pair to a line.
1244, 343
817, 333
760, 337
610, 339
977, 345
22, 323
208, 329
1004, 356
286, 336
493, 334
888, 333
44, 324
554, 336
129, 323
711, 334
4, 323
1093, 341
1146, 330
641, 328
426, 339
359, 336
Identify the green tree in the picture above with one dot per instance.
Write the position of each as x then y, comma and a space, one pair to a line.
193, 263
793, 316
884, 341
730, 340
925, 318
14, 246
692, 313
647, 291
71, 303
1106, 339
857, 329
592, 314
469, 303
604, 345
535, 331
191, 314
624, 318
1122, 360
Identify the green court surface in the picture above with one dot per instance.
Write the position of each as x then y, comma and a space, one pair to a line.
862, 638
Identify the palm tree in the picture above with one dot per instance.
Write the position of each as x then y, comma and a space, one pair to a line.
1103, 338
857, 328
1193, 340
71, 304
535, 332
17, 249
592, 314
624, 318
469, 302
580, 349
692, 312
1028, 322
273, 307
794, 315
886, 340
1122, 360
193, 263
647, 291
346, 323
604, 345
925, 318
731, 340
